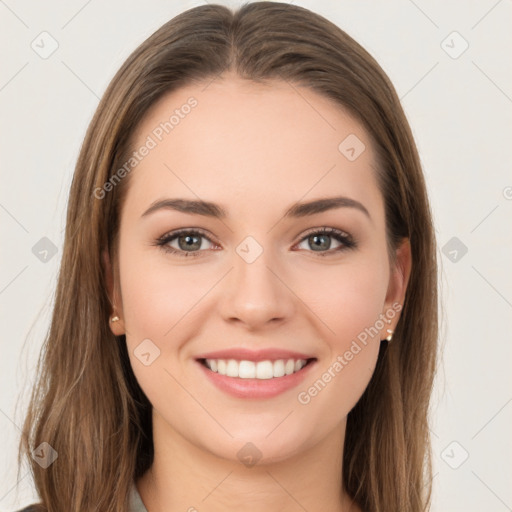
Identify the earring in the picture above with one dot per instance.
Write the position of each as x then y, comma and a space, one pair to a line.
390, 335
115, 318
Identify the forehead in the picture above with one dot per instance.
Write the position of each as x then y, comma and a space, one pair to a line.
231, 140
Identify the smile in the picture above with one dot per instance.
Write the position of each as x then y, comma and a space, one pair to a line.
255, 379
262, 370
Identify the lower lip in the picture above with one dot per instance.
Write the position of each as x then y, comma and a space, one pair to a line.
256, 388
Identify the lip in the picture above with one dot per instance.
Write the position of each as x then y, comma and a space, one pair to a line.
256, 388
239, 354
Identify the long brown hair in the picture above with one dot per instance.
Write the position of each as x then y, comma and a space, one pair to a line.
86, 403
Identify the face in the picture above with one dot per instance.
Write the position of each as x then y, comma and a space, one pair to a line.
268, 282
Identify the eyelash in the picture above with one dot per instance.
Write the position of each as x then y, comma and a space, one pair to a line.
345, 239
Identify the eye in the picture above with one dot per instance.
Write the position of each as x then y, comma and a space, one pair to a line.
189, 241
320, 239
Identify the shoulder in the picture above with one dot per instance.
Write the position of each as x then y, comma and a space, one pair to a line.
32, 508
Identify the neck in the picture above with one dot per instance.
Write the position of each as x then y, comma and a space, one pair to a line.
185, 477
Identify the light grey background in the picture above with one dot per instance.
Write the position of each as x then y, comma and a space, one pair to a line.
460, 109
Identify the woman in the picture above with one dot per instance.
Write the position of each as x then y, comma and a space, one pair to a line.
210, 348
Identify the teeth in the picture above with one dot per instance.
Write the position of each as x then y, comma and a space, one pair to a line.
251, 370
246, 369
289, 367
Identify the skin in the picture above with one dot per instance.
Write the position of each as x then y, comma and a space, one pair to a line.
256, 150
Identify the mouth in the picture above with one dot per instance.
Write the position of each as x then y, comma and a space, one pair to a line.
260, 370
256, 379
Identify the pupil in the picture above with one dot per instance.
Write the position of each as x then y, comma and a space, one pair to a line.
322, 246
189, 242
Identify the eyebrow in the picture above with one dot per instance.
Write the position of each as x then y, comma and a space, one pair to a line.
209, 209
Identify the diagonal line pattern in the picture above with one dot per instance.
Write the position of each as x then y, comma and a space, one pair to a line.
14, 76
304, 195
296, 90
170, 170
280, 423
300, 299
492, 418
287, 492
420, 80
424, 14
198, 402
194, 305
497, 291
14, 218
492, 81
217, 486
8, 417
13, 13
14, 486
433, 433
80, 79
508, 508
12, 280
492, 211
485, 15
76, 14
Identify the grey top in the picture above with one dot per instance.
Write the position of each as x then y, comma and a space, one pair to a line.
136, 504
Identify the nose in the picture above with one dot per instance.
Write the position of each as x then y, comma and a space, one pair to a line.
255, 294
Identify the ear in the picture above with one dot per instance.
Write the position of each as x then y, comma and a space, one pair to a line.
116, 327
398, 281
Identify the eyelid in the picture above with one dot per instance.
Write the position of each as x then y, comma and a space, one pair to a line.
327, 230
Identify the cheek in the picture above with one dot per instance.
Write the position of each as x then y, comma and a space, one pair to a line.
157, 295
352, 312
158, 305
347, 298
350, 316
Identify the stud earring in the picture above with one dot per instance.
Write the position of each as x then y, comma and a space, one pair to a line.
390, 335
115, 318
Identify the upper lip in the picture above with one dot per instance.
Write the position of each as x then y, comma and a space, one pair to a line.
245, 354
